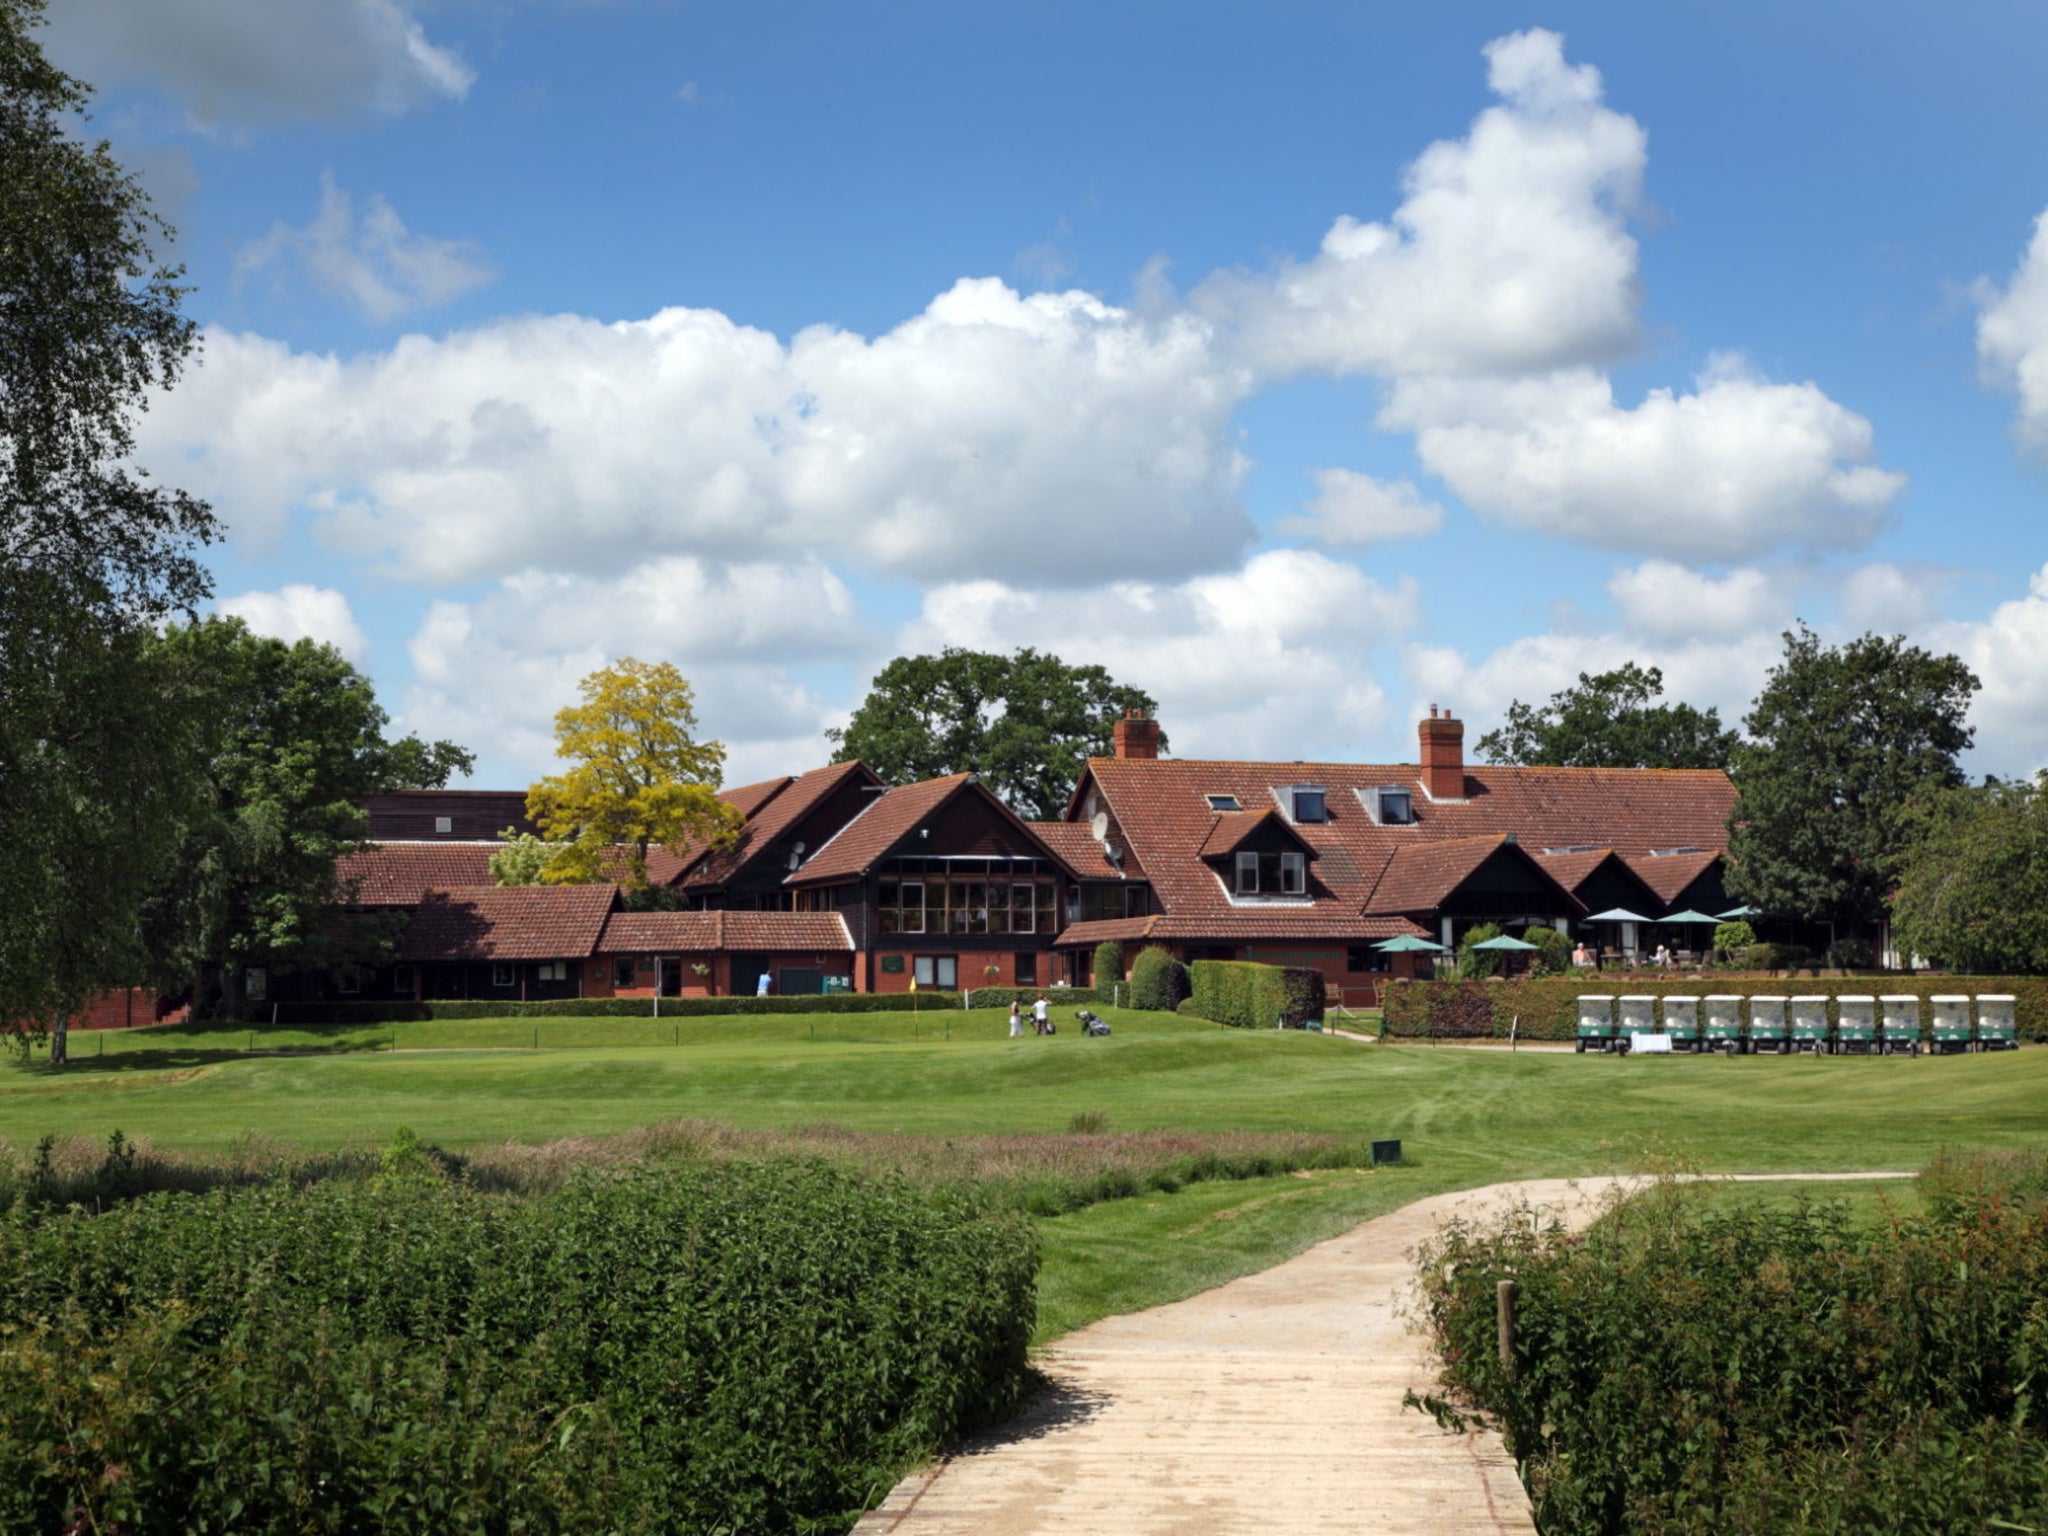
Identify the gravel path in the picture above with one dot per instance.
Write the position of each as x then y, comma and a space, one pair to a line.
1271, 1404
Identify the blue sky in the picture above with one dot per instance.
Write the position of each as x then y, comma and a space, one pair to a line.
1306, 365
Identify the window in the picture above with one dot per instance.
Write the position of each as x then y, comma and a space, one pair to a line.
501, 976
1397, 808
443, 825
1272, 874
256, 984
913, 906
348, 981
1247, 874
552, 970
1027, 969
1364, 957
941, 971
623, 971
1293, 874
1310, 803
1223, 803
403, 981
1023, 910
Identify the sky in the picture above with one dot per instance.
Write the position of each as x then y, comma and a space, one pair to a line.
1307, 365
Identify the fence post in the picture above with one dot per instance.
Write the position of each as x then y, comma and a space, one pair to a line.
1504, 1322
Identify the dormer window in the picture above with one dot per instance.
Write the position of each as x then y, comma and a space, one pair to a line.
1274, 874
1223, 802
1308, 804
1395, 806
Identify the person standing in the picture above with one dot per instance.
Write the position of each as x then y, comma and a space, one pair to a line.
1041, 1015
1016, 1019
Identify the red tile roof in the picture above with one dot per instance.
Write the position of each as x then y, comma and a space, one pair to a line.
870, 835
1236, 927
770, 819
498, 922
1231, 828
1077, 847
1162, 809
650, 933
397, 874
1669, 874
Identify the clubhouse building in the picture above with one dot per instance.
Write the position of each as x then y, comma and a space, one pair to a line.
839, 882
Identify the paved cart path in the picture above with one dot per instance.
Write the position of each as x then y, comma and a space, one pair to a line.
1271, 1404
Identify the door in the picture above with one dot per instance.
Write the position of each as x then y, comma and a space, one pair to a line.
799, 983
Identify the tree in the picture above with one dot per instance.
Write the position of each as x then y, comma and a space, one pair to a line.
1026, 723
1973, 886
1610, 721
640, 778
290, 739
1843, 741
522, 861
92, 554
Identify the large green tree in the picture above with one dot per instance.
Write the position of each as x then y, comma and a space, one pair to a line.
92, 552
289, 740
1026, 723
1973, 884
1610, 720
1843, 742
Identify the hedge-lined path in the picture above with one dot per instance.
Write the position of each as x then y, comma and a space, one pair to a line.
1269, 1404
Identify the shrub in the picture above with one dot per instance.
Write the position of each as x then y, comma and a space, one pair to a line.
1553, 955
1158, 981
1733, 939
1850, 955
1473, 963
1245, 995
1758, 1370
738, 1347
403, 1011
1002, 997
1109, 964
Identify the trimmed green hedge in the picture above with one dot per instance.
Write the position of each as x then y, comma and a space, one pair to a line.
1548, 1005
403, 1011
1246, 995
1002, 997
757, 1348
1159, 982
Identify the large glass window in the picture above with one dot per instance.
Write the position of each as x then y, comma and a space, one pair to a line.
966, 903
1019, 907
941, 971
1247, 874
1272, 874
913, 906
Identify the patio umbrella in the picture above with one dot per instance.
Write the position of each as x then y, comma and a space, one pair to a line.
1689, 917
1617, 915
1739, 912
1406, 944
1505, 941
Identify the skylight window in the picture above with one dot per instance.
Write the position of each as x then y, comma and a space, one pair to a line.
1310, 804
1223, 803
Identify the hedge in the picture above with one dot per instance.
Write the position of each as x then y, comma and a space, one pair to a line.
756, 1348
403, 1010
1547, 1006
1246, 995
1158, 980
1002, 997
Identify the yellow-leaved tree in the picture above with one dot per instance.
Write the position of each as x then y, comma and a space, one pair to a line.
639, 778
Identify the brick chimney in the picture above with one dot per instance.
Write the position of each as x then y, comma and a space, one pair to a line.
1443, 756
1136, 735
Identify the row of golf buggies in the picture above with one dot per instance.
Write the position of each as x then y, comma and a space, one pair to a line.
1877, 1026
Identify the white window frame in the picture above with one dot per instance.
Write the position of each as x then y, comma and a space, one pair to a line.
1029, 922
1231, 803
1247, 866
1293, 874
903, 890
924, 969
552, 970
443, 825
1294, 804
503, 976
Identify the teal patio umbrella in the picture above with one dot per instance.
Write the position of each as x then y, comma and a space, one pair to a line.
1505, 941
1407, 944
1617, 915
1740, 912
1690, 917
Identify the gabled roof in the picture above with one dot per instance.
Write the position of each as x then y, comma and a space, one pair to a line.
874, 834
1574, 870
496, 922
770, 818
398, 874
1233, 828
1236, 926
1668, 874
1423, 877
1161, 808
653, 933
1076, 845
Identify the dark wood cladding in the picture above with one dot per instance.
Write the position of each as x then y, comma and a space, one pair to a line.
474, 815
968, 826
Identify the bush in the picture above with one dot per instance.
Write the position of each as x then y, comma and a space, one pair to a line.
1553, 955
404, 1011
1761, 1370
1158, 981
1733, 939
1850, 955
1109, 964
1547, 1006
1473, 963
1245, 995
738, 1347
1002, 997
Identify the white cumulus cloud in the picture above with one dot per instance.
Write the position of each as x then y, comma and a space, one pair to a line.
369, 259
1734, 468
1271, 659
299, 611
1352, 510
2012, 336
1890, 599
1049, 437
1668, 601
261, 61
1510, 251
2008, 650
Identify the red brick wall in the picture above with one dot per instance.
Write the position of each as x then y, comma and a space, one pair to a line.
127, 1009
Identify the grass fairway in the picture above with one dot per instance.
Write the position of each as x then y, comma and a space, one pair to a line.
1464, 1117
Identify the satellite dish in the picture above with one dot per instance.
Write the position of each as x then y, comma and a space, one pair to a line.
799, 847
1098, 826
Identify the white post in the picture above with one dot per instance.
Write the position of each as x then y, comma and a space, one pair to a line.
657, 986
